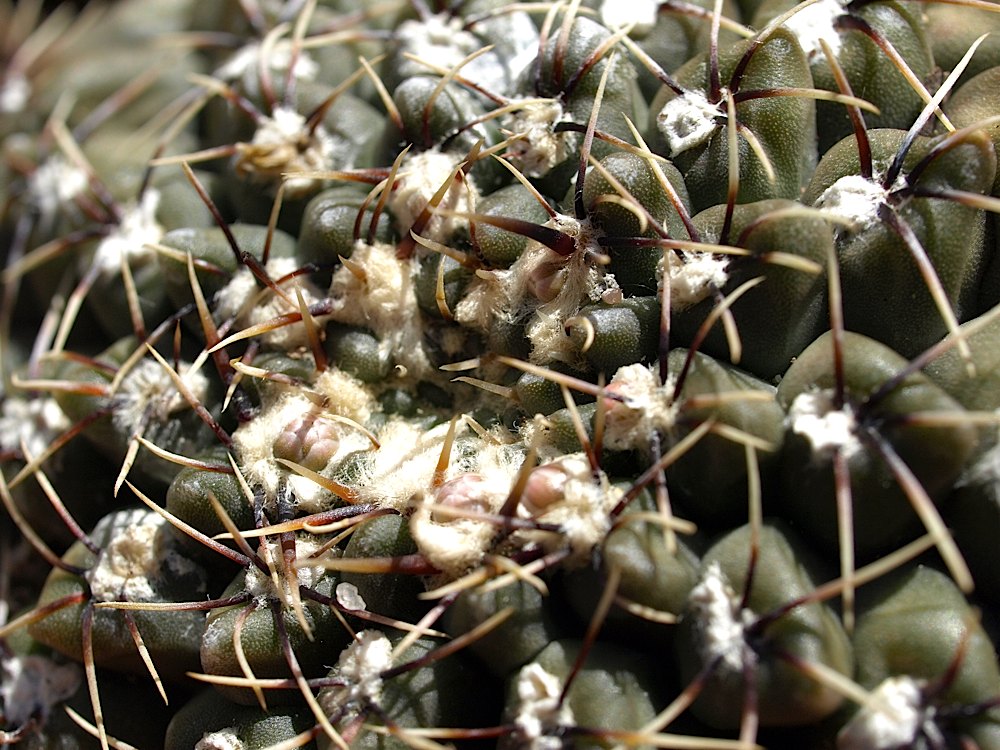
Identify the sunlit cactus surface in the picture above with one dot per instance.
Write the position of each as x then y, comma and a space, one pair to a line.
559, 375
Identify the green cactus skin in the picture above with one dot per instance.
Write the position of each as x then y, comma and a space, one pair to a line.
209, 717
785, 696
657, 571
882, 512
483, 374
616, 690
785, 125
866, 68
917, 626
878, 265
789, 299
140, 561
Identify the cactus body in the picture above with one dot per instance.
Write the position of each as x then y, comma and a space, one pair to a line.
583, 374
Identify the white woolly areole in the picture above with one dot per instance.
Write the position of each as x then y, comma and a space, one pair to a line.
131, 562
359, 667
54, 185
541, 148
261, 586
401, 475
454, 544
224, 739
813, 416
243, 299
385, 302
284, 144
349, 597
815, 23
648, 407
693, 277
854, 198
577, 277
34, 421
583, 516
253, 441
15, 91
544, 288
422, 175
402, 468
148, 394
130, 239
441, 41
452, 547
641, 14
234, 299
582, 511
246, 62
539, 714
384, 298
345, 395
490, 297
478, 479
563, 285
720, 621
687, 121
890, 718
32, 685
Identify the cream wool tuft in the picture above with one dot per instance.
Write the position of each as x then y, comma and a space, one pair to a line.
384, 302
541, 148
223, 739
400, 472
135, 558
54, 186
254, 441
422, 175
130, 240
359, 667
147, 392
647, 407
813, 416
687, 121
539, 713
576, 281
721, 622
581, 508
283, 145
693, 277
243, 299
401, 475
640, 15
544, 289
855, 199
890, 719
441, 41
815, 23
402, 468
35, 421
456, 544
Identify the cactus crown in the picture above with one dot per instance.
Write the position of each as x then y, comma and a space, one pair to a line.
499, 374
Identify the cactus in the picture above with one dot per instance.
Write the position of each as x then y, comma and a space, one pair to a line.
572, 374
